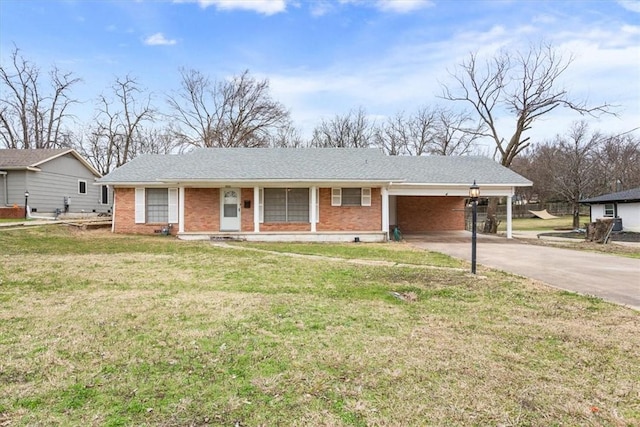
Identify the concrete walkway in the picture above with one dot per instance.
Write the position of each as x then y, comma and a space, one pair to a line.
612, 278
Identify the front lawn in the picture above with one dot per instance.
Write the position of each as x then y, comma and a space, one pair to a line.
102, 329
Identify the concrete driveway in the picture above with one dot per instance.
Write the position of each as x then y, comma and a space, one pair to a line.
609, 277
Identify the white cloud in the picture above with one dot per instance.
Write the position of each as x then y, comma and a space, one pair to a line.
632, 5
158, 39
266, 7
403, 6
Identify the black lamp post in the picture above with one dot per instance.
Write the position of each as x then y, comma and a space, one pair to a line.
26, 200
474, 193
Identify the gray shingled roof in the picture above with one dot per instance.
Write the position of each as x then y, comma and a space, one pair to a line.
631, 195
15, 159
311, 164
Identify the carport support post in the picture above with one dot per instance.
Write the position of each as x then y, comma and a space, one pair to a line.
474, 193
509, 219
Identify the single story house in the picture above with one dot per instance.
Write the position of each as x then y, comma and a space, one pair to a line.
54, 179
304, 194
624, 206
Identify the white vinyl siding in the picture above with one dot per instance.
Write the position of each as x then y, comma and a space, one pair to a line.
286, 205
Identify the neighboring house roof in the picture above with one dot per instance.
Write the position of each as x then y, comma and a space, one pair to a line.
30, 159
310, 164
632, 195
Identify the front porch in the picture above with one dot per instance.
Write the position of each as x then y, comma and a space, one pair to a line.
284, 236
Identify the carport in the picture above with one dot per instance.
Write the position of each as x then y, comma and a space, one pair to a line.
419, 208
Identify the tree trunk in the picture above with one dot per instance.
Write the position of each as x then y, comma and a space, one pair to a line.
491, 223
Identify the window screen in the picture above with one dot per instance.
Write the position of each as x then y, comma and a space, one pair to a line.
351, 197
157, 205
286, 205
82, 187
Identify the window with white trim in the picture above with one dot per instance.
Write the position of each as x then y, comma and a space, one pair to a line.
351, 197
609, 210
104, 194
82, 186
157, 205
285, 205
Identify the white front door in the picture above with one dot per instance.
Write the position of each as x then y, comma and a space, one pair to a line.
230, 209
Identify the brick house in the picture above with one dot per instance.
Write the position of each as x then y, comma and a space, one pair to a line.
304, 194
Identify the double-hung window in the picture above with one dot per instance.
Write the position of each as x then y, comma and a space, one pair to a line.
156, 205
286, 204
609, 210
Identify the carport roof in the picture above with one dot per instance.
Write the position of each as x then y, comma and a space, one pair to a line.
311, 164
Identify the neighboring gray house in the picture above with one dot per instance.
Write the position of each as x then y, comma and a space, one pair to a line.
622, 205
55, 179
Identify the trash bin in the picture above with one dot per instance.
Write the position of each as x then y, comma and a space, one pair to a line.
617, 224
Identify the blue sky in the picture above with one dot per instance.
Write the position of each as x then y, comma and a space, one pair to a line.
326, 57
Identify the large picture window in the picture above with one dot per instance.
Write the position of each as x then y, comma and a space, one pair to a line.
157, 205
286, 205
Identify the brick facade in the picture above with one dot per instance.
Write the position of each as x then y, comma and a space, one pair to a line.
419, 214
15, 212
201, 209
350, 218
125, 211
202, 213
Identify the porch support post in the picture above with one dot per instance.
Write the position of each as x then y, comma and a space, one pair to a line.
312, 209
256, 209
180, 209
509, 214
385, 212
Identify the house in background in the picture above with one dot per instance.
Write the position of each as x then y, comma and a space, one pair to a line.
623, 206
303, 194
55, 179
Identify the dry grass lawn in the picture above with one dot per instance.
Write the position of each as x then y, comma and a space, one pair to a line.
97, 329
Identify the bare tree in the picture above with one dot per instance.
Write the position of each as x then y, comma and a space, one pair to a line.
523, 84
619, 162
119, 134
352, 130
232, 113
32, 116
435, 131
287, 136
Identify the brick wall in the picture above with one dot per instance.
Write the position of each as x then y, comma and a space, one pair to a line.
418, 214
246, 214
350, 218
125, 211
15, 212
202, 209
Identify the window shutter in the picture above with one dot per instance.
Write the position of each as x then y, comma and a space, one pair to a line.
173, 206
336, 196
317, 207
261, 202
140, 206
365, 197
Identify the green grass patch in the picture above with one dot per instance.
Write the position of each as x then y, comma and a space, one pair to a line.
101, 329
539, 224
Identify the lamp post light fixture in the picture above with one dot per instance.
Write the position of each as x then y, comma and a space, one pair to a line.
26, 200
474, 193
